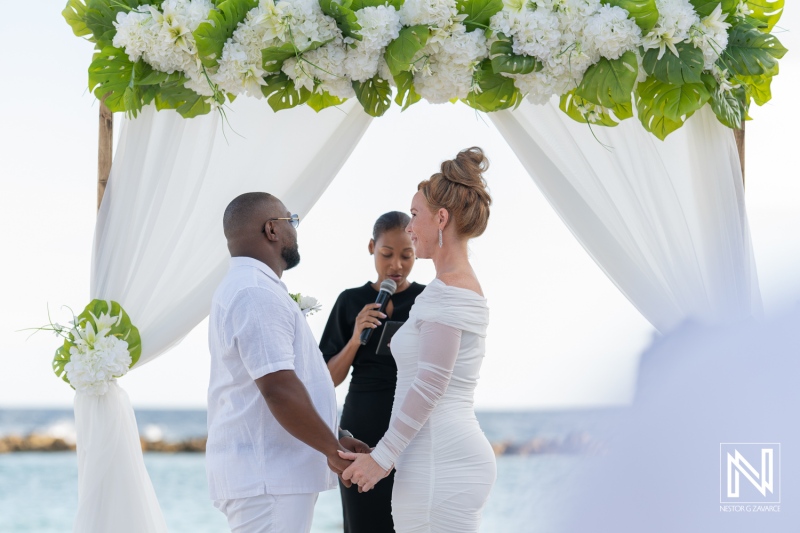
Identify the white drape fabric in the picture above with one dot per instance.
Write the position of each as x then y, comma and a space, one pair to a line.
665, 220
159, 251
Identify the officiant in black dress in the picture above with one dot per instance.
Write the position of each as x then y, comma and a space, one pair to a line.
368, 406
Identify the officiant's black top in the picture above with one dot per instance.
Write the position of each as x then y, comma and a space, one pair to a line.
371, 372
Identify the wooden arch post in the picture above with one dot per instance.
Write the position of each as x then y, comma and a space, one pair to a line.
105, 150
739, 135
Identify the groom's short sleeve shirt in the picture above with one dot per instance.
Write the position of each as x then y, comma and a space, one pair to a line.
255, 328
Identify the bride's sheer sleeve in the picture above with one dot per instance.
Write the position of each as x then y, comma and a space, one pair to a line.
438, 350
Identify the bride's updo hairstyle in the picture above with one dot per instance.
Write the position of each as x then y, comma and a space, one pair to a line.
461, 189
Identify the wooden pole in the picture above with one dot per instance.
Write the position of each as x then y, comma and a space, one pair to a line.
105, 147
739, 135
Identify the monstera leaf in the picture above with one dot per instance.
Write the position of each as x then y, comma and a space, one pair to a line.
610, 82
401, 52
274, 56
495, 91
75, 15
766, 12
758, 87
584, 111
113, 77
375, 95
644, 12
323, 100
406, 93
100, 16
478, 12
282, 94
173, 95
211, 35
344, 15
677, 70
505, 61
663, 107
751, 52
705, 7
361, 4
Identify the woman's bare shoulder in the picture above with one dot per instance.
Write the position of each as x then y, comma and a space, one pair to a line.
462, 280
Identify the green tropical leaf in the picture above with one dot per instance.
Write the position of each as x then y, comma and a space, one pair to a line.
478, 12
274, 56
767, 12
586, 112
494, 91
113, 77
751, 52
401, 52
361, 4
211, 35
610, 82
375, 95
75, 15
705, 7
729, 107
61, 359
677, 70
663, 107
406, 93
344, 15
282, 94
644, 12
186, 102
323, 100
504, 60
758, 87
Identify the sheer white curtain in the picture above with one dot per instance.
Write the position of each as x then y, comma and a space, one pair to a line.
159, 251
664, 220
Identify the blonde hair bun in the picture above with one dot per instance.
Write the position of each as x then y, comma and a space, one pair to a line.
461, 189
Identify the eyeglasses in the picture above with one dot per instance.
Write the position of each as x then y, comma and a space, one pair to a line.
294, 220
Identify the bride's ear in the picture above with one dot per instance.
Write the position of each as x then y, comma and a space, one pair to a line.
444, 218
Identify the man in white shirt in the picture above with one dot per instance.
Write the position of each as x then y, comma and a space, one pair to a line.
267, 460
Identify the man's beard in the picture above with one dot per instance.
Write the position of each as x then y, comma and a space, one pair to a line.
291, 255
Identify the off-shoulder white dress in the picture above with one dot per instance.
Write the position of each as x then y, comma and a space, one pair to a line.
445, 465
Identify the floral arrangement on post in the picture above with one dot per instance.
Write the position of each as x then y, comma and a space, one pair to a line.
668, 58
100, 345
307, 304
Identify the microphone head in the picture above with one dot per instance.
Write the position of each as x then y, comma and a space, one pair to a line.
389, 286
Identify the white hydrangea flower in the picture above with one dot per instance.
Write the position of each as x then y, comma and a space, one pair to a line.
534, 33
611, 33
379, 26
711, 36
675, 19
447, 70
96, 359
321, 70
438, 13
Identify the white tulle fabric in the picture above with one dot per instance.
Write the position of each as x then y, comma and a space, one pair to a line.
159, 251
665, 220
445, 465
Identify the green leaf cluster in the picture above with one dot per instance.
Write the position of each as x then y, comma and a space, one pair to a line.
343, 12
124, 330
492, 91
210, 36
664, 107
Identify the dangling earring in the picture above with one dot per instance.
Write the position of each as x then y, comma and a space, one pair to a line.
440, 238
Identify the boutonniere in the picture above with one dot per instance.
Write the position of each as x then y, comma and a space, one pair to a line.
307, 304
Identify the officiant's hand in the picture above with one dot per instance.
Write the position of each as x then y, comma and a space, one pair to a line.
364, 471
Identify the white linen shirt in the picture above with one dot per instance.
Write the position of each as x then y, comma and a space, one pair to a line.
255, 328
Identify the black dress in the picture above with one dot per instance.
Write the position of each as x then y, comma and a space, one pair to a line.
368, 406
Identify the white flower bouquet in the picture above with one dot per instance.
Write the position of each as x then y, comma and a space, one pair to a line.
668, 58
100, 345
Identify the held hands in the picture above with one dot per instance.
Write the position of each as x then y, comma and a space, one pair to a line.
363, 470
338, 464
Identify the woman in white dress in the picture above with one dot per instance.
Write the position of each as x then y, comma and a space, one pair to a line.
445, 465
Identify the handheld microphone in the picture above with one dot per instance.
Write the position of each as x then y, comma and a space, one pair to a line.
387, 289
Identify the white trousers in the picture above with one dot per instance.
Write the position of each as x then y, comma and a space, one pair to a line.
270, 513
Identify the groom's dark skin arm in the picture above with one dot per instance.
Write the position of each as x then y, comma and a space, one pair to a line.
290, 404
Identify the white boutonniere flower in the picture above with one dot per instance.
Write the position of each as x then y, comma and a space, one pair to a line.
307, 304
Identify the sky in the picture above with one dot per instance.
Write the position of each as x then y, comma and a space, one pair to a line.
561, 334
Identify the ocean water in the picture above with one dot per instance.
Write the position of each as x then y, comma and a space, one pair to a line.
38, 491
